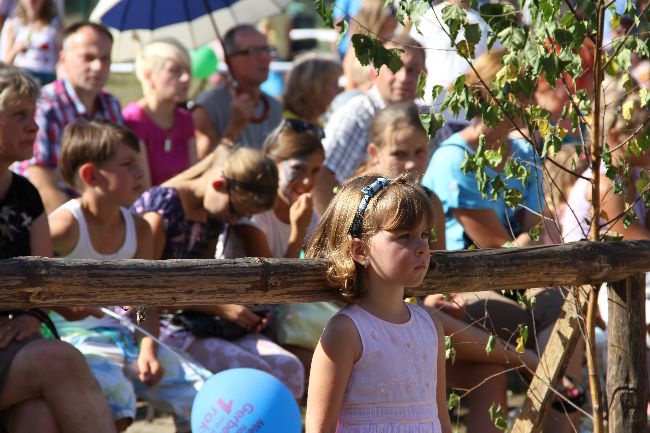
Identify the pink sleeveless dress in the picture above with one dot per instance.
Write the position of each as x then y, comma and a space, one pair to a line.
392, 387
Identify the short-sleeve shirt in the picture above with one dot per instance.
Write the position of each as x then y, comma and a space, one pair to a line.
216, 103
57, 106
458, 190
186, 239
167, 150
347, 132
19, 208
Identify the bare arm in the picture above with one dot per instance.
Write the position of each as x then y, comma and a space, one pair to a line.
191, 148
64, 231
206, 135
39, 237
45, 180
254, 240
158, 236
441, 390
337, 351
485, 229
613, 205
12, 47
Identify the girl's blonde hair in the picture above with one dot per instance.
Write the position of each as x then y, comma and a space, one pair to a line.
153, 55
48, 12
306, 80
392, 118
252, 176
401, 205
485, 69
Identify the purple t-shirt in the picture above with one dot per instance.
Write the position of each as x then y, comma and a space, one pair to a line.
167, 151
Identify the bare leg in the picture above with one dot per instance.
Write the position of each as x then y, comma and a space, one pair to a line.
486, 385
66, 385
28, 417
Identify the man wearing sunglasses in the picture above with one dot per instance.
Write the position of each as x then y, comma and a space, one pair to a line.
346, 134
238, 110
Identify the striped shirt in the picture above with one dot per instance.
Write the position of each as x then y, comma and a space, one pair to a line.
57, 106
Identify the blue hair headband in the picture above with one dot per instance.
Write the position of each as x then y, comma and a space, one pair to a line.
368, 193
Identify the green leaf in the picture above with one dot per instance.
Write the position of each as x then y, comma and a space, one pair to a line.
455, 18
513, 198
494, 157
473, 34
450, 352
512, 38
501, 423
435, 92
431, 122
523, 332
343, 29
371, 50
422, 81
536, 232
454, 400
490, 344
644, 96
325, 9
418, 9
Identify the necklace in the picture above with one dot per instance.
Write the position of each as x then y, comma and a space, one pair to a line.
167, 146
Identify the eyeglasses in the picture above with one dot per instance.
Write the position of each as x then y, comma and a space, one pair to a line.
253, 51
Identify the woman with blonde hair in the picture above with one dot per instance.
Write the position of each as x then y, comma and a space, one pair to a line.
311, 86
164, 71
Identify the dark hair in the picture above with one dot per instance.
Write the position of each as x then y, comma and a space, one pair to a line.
94, 141
48, 12
229, 45
285, 142
75, 27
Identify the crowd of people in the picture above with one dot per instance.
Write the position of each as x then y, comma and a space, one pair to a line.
345, 173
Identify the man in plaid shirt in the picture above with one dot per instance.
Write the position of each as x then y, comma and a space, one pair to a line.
85, 62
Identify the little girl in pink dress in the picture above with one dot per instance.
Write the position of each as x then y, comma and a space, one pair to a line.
379, 366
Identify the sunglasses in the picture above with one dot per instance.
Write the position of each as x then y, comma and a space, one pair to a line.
254, 51
298, 126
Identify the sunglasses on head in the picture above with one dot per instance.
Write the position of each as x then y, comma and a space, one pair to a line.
298, 126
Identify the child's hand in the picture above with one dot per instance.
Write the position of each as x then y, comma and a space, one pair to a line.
242, 315
149, 368
300, 212
17, 329
454, 307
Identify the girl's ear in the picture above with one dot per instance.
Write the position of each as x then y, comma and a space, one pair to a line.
220, 184
373, 153
87, 173
359, 252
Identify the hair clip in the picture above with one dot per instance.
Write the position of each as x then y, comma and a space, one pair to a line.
368, 193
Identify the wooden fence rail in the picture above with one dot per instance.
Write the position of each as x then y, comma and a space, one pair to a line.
34, 281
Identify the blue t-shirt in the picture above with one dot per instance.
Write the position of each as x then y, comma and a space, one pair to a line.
458, 190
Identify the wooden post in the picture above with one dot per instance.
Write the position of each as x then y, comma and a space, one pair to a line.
552, 364
627, 387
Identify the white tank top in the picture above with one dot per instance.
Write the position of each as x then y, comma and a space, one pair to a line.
42, 53
84, 248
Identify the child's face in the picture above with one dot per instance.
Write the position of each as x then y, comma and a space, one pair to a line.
172, 81
408, 151
121, 177
296, 176
399, 257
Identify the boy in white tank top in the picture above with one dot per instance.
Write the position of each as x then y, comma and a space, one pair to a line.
101, 160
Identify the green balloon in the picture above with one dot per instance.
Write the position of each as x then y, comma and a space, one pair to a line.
204, 62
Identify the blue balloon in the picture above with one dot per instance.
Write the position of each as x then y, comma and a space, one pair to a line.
245, 400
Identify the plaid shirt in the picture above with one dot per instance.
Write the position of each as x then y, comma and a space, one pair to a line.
57, 106
347, 131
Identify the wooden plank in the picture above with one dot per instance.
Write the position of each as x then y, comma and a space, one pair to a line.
30, 282
627, 388
552, 364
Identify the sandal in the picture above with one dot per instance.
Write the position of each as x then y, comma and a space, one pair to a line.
571, 392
